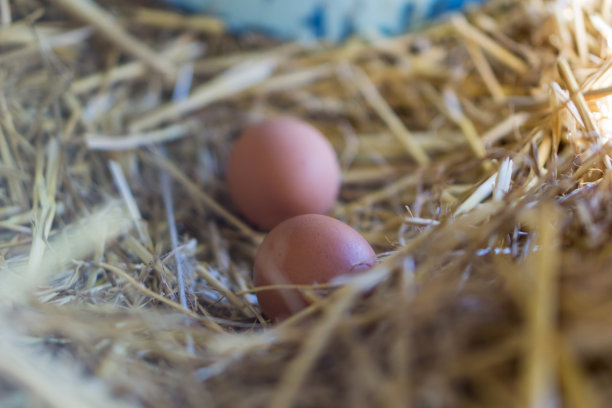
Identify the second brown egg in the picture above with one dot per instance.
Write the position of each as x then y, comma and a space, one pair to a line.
280, 168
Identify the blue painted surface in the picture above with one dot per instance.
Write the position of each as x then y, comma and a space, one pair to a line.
439, 7
331, 20
407, 15
316, 21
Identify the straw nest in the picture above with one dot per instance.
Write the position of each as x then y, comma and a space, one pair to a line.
475, 159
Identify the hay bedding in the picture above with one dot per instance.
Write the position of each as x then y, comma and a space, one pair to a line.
475, 158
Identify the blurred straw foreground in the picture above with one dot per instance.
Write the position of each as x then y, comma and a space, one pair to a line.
475, 160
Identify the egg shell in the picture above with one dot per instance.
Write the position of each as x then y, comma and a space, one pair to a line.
281, 168
307, 249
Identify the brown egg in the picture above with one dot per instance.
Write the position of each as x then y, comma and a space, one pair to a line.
307, 249
281, 168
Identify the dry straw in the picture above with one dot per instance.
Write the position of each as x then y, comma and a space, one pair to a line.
475, 159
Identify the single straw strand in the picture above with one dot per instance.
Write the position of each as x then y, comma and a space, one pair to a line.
485, 71
5, 13
580, 31
126, 193
138, 140
181, 91
543, 266
180, 264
